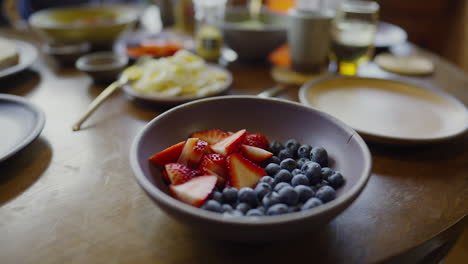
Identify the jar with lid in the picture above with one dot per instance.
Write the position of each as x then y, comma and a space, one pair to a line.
209, 14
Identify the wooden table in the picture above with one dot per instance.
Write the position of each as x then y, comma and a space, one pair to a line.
70, 197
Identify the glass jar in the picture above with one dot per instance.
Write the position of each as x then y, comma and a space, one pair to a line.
209, 14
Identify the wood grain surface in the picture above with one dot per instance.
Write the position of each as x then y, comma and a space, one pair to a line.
70, 197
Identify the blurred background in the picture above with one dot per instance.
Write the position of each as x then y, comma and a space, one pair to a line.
437, 25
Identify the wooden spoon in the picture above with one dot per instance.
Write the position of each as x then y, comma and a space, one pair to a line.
130, 74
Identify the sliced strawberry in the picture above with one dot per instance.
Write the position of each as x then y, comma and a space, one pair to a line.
196, 191
213, 163
179, 173
242, 172
255, 154
257, 140
165, 177
192, 152
229, 144
171, 154
210, 136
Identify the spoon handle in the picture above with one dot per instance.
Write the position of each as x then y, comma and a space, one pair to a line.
103, 96
279, 87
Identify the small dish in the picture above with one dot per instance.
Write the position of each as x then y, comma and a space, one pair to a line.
66, 54
175, 100
103, 67
388, 111
23, 122
389, 35
278, 120
27, 56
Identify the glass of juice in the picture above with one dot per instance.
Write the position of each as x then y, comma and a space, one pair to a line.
352, 35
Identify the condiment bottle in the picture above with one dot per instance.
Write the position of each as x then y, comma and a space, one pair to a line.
209, 14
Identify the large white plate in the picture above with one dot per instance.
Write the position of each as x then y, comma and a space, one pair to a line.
174, 100
27, 56
388, 111
20, 123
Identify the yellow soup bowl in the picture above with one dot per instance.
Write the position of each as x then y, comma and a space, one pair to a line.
98, 25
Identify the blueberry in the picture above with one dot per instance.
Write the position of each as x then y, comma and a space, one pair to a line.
319, 155
213, 206
285, 154
262, 189
249, 196
276, 147
311, 203
217, 196
268, 179
321, 184
254, 212
299, 179
304, 151
270, 199
227, 208
326, 172
313, 172
229, 195
261, 209
277, 209
288, 164
293, 145
242, 207
296, 208
233, 213
336, 180
288, 195
300, 162
281, 185
326, 193
283, 176
272, 168
274, 159
304, 192
296, 172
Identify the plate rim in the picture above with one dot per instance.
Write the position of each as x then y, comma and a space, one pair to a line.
375, 137
24, 48
35, 131
181, 99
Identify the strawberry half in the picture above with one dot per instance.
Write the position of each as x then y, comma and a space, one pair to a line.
195, 191
229, 144
255, 154
179, 173
165, 177
214, 164
242, 172
192, 152
210, 136
257, 140
171, 154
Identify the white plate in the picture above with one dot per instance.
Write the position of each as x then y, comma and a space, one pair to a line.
20, 123
27, 56
388, 111
174, 100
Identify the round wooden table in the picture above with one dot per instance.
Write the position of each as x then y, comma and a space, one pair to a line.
70, 197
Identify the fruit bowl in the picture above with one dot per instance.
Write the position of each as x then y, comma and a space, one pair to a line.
278, 120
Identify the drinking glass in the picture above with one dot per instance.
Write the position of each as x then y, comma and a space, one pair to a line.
352, 35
